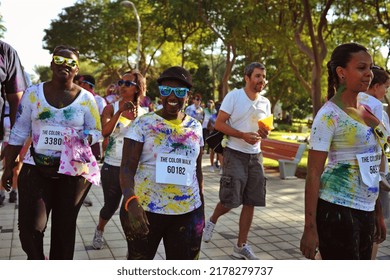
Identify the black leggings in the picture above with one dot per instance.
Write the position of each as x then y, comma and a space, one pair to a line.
111, 190
344, 233
181, 234
38, 196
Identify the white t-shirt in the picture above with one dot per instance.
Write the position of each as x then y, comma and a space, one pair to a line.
35, 114
244, 115
376, 107
113, 154
101, 102
160, 136
344, 138
207, 114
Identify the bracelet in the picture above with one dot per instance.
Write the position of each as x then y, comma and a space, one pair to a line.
128, 201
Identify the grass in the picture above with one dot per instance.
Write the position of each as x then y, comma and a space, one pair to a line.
278, 135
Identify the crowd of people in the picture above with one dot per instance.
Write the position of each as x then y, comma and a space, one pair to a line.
59, 131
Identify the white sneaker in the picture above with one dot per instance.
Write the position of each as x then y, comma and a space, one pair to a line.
98, 240
208, 231
244, 252
212, 169
87, 202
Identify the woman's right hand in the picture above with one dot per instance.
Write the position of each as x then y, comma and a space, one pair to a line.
138, 220
127, 106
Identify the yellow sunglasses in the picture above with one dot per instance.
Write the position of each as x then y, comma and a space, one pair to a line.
59, 60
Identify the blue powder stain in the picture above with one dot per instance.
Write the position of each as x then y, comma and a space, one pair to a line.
180, 198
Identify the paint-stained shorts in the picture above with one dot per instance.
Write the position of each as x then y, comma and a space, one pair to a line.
243, 180
344, 233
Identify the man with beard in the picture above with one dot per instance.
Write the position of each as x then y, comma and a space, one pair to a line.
243, 180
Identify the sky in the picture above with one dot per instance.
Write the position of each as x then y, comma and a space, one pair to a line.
25, 21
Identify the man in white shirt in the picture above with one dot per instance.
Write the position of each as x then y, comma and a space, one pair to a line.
243, 180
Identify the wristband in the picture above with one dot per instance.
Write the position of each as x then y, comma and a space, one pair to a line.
128, 201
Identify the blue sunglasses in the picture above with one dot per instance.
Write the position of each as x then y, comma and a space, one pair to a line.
180, 92
126, 83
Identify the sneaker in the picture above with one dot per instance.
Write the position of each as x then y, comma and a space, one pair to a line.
212, 169
13, 196
208, 231
244, 252
87, 202
98, 240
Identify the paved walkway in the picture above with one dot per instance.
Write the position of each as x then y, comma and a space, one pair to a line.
275, 233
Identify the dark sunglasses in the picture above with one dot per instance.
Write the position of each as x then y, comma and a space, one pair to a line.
180, 92
59, 60
197, 99
126, 83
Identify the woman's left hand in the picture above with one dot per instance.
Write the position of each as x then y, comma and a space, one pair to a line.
138, 220
380, 230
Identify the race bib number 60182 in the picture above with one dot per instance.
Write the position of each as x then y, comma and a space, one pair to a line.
174, 169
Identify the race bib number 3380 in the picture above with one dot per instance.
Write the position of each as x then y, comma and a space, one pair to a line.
51, 138
174, 169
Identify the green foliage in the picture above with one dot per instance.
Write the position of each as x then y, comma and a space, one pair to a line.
203, 83
286, 128
43, 72
215, 39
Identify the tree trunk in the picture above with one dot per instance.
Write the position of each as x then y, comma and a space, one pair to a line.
230, 60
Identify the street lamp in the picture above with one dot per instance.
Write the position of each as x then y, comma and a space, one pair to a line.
129, 4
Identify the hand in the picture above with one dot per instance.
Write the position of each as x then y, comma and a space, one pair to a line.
309, 243
127, 106
251, 137
6, 178
380, 230
263, 132
87, 140
138, 221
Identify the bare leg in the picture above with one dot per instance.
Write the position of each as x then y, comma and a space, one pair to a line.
211, 157
102, 223
246, 218
218, 212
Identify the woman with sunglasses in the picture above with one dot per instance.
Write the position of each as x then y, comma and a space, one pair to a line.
342, 208
46, 111
161, 176
116, 119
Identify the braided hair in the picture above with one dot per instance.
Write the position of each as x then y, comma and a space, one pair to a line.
140, 80
340, 57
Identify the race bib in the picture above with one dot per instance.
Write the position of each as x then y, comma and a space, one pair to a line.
369, 168
51, 138
175, 169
